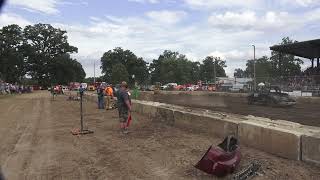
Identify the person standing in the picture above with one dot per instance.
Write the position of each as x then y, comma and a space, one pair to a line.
109, 94
100, 98
124, 107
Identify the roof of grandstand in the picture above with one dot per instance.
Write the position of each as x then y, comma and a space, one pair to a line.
306, 49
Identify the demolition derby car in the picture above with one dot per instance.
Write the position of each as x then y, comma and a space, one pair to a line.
271, 97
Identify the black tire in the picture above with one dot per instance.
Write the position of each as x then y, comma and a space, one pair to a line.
250, 101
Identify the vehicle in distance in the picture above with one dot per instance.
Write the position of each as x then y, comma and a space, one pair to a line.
271, 98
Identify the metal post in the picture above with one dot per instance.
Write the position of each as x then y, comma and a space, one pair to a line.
254, 68
81, 113
94, 71
318, 62
214, 71
81, 131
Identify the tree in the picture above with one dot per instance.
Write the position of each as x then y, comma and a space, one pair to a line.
209, 65
64, 69
133, 65
285, 64
263, 69
12, 65
119, 73
90, 80
174, 67
43, 44
40, 51
239, 73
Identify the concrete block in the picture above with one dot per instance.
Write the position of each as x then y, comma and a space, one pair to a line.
214, 125
137, 107
311, 148
149, 110
277, 139
165, 116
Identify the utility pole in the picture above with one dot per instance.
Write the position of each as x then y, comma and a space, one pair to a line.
214, 71
254, 68
94, 71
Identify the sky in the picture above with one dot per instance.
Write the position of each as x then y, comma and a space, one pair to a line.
196, 28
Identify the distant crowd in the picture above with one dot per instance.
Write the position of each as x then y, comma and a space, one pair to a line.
7, 88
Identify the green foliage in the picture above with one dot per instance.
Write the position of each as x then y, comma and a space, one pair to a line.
285, 64
41, 51
64, 70
263, 69
44, 44
90, 80
278, 66
133, 65
174, 67
119, 73
210, 65
12, 66
239, 73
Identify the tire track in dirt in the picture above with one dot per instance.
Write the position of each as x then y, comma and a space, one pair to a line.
151, 151
10, 129
19, 158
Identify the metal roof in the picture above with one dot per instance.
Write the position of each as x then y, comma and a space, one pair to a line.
306, 49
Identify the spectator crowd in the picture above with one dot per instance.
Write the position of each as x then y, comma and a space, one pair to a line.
7, 88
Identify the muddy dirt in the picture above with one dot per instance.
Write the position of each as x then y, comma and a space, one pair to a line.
304, 113
36, 143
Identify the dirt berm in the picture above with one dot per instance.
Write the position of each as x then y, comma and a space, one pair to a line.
305, 112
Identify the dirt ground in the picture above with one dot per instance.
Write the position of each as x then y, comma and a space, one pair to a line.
304, 113
36, 144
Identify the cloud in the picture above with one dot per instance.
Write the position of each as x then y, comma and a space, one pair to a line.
153, 1
43, 6
167, 17
148, 38
250, 20
145, 1
262, 5
11, 18
211, 4
196, 28
302, 3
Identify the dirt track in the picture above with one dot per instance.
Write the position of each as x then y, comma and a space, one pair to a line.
36, 143
304, 113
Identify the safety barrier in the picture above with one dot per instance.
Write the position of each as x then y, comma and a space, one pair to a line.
282, 138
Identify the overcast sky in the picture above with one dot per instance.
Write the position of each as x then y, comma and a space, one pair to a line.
197, 28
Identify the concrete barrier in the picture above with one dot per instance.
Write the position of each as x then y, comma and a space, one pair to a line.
311, 147
279, 139
218, 125
282, 138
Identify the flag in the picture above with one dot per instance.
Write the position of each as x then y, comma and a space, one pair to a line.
129, 120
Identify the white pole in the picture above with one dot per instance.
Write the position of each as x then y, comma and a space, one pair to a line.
94, 71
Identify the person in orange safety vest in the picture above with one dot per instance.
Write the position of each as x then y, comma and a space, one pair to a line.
109, 94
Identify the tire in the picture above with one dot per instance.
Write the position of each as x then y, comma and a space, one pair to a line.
250, 101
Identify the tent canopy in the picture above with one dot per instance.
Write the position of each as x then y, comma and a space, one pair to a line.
306, 49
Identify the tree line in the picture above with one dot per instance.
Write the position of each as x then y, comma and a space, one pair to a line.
170, 66
123, 65
40, 52
276, 66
